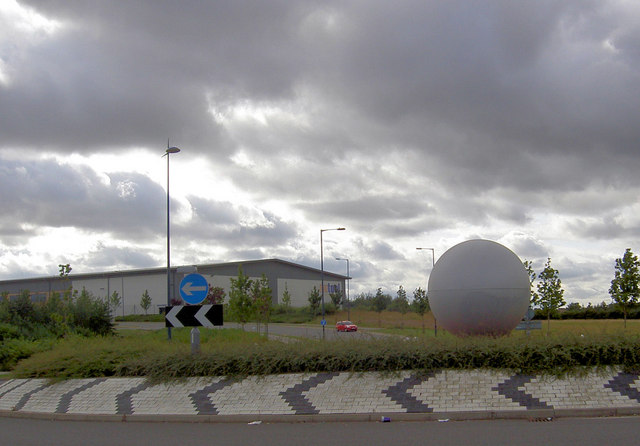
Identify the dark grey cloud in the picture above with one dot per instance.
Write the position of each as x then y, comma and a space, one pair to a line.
604, 228
379, 249
528, 248
17, 270
396, 207
232, 225
123, 75
48, 194
493, 93
108, 258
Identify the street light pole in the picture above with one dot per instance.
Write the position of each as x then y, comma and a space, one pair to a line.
433, 260
348, 279
167, 153
322, 274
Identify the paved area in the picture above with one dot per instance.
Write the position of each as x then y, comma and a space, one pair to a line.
445, 394
281, 332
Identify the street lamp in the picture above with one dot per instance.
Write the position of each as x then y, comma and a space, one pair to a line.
433, 260
167, 153
322, 273
348, 279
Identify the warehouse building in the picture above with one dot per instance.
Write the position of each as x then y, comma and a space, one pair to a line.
282, 275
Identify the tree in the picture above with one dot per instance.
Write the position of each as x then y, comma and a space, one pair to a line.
145, 301
336, 298
380, 302
550, 292
402, 303
624, 289
215, 295
314, 300
574, 306
286, 298
262, 302
64, 270
240, 304
528, 265
114, 302
421, 303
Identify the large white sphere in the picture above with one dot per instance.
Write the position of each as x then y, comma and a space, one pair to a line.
479, 287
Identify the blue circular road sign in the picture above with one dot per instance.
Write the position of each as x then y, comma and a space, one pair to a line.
194, 289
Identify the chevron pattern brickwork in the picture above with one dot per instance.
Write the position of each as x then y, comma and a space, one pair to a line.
324, 393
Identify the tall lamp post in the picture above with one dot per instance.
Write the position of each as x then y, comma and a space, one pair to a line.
348, 279
167, 153
433, 263
322, 274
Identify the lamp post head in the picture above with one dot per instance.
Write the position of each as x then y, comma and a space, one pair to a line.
332, 229
171, 150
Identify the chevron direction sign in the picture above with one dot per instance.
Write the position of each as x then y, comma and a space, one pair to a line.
193, 316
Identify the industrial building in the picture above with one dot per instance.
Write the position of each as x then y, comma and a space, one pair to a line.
282, 275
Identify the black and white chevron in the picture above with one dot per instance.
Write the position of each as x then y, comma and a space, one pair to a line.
193, 316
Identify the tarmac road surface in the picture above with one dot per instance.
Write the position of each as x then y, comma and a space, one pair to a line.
293, 330
564, 431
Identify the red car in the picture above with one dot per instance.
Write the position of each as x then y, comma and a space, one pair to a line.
346, 326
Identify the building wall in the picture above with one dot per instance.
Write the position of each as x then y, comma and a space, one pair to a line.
130, 289
130, 285
300, 289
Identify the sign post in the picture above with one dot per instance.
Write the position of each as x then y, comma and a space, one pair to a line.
528, 323
193, 290
195, 341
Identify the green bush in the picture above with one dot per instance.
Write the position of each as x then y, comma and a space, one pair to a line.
8, 331
13, 350
236, 353
291, 315
393, 355
79, 357
82, 314
89, 315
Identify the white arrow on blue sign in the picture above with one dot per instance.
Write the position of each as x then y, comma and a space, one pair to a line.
194, 289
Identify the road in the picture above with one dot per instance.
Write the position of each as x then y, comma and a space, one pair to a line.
295, 330
567, 431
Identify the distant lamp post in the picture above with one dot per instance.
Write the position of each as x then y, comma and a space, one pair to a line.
348, 279
322, 273
167, 153
433, 263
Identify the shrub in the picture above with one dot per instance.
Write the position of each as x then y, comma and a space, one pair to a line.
226, 353
83, 314
8, 331
13, 350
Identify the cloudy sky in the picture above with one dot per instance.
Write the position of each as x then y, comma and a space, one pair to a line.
410, 123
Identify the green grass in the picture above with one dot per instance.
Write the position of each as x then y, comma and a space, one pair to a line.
570, 346
76, 356
141, 318
232, 352
576, 327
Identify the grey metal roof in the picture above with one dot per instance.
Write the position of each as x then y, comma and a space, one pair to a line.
161, 270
